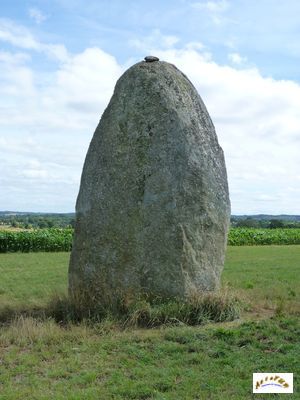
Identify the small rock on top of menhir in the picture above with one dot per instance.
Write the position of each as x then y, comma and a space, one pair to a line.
151, 58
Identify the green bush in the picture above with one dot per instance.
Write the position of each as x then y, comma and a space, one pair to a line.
252, 236
54, 239
36, 240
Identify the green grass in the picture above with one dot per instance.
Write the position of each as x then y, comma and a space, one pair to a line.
40, 359
266, 277
35, 284
31, 278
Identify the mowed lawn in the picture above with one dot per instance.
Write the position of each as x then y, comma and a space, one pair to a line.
43, 360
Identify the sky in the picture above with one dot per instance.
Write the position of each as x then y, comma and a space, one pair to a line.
60, 59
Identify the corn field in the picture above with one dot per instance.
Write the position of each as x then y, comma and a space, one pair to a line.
259, 236
36, 240
61, 239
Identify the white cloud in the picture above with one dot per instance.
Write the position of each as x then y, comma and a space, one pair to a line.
55, 51
236, 58
266, 197
46, 123
37, 15
19, 36
34, 173
16, 58
151, 41
195, 46
212, 6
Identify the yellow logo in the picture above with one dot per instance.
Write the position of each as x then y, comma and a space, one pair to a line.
273, 382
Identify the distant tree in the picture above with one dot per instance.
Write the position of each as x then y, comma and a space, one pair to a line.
42, 223
263, 223
276, 223
247, 223
50, 223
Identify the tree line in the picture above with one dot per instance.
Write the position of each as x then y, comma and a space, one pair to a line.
32, 221
42, 221
251, 222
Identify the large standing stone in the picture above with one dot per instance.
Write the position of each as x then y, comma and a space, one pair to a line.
153, 209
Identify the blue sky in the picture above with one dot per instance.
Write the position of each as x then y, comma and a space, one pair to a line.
59, 61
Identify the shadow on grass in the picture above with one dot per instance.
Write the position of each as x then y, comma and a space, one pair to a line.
138, 312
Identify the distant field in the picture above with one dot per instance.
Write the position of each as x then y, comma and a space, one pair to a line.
42, 360
260, 236
53, 239
11, 228
57, 239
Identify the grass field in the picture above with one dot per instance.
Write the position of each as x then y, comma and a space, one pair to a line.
39, 359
